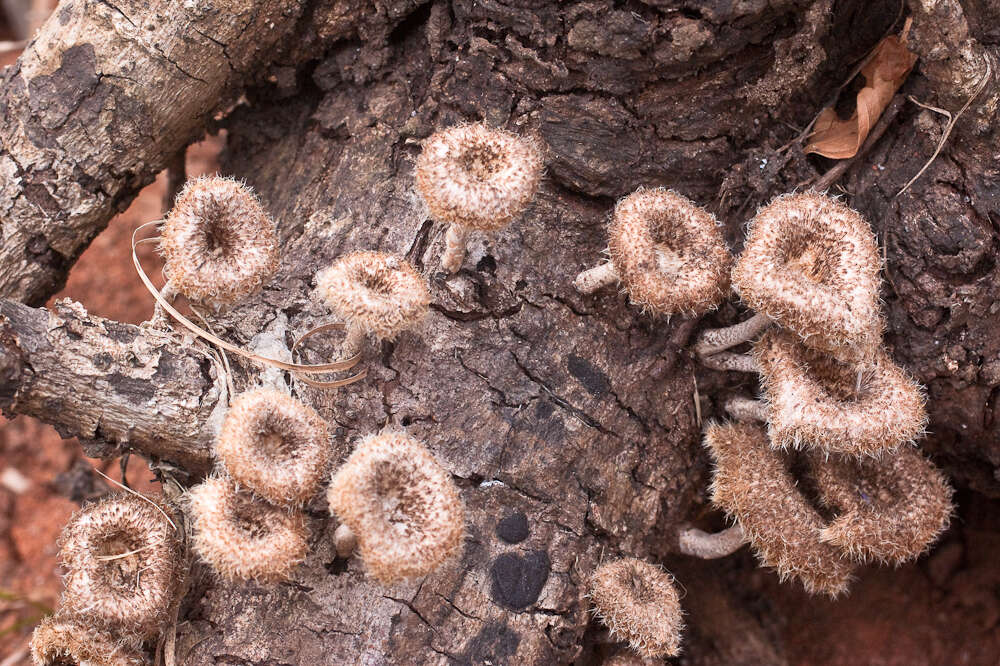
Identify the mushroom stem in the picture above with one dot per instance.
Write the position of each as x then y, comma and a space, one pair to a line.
727, 361
596, 278
746, 409
455, 241
159, 318
344, 541
718, 339
706, 546
354, 342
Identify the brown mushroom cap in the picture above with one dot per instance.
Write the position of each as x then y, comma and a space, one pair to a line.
812, 264
379, 292
274, 445
63, 639
639, 604
401, 505
219, 243
478, 177
890, 510
752, 484
124, 564
669, 253
242, 537
816, 401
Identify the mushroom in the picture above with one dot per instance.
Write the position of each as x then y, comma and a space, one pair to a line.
667, 252
864, 408
402, 507
123, 564
274, 445
218, 242
888, 510
753, 486
810, 264
242, 537
639, 604
474, 177
375, 293
66, 640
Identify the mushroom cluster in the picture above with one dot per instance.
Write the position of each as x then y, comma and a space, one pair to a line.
125, 570
395, 503
835, 406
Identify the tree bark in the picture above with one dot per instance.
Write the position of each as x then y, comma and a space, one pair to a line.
109, 384
575, 410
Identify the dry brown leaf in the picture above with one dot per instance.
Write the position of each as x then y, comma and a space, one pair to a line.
887, 68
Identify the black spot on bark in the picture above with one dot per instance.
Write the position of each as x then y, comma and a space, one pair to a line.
517, 580
337, 567
544, 409
103, 360
137, 390
53, 97
513, 528
595, 381
494, 644
487, 265
120, 332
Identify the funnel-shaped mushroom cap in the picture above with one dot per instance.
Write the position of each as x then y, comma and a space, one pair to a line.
242, 537
811, 264
815, 401
123, 561
890, 510
274, 445
402, 506
67, 640
669, 253
478, 177
380, 293
639, 605
219, 243
752, 484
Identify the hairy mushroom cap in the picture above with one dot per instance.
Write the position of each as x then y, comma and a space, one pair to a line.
378, 292
889, 510
753, 486
219, 243
639, 605
812, 264
402, 506
242, 537
815, 401
124, 564
67, 640
478, 177
669, 253
274, 445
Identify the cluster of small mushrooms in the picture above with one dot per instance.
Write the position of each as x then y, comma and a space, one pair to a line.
839, 414
818, 474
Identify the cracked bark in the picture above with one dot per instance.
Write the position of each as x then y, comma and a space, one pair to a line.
576, 411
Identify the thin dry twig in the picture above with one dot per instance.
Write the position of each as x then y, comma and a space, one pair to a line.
951, 125
140, 496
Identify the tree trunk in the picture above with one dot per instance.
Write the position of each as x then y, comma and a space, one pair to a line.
577, 411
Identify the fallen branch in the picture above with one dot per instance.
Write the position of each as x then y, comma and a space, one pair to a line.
113, 385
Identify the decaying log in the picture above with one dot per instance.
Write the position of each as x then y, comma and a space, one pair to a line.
573, 415
114, 386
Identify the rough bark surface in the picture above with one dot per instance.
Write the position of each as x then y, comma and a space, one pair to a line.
576, 411
114, 386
